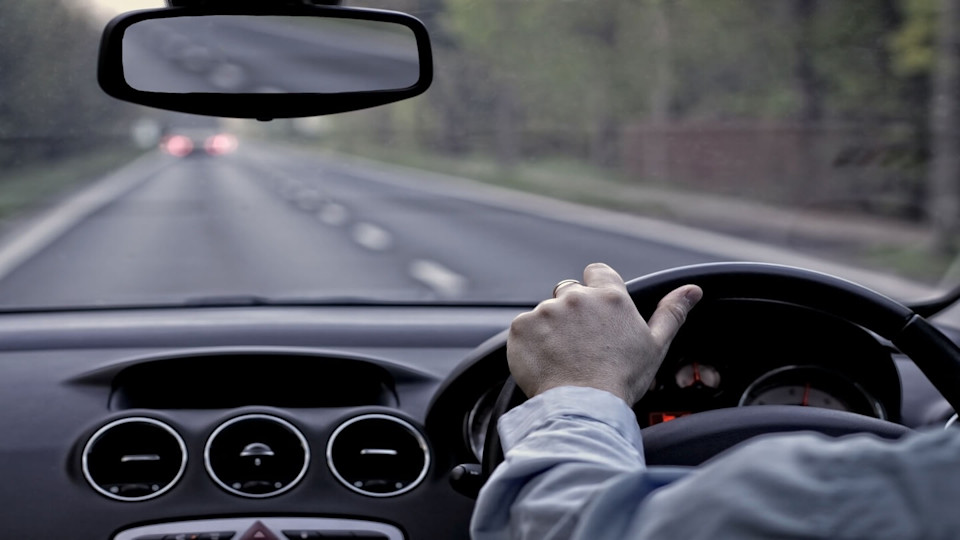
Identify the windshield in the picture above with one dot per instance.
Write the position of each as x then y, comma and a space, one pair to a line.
647, 134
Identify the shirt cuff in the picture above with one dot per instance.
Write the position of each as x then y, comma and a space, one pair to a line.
569, 401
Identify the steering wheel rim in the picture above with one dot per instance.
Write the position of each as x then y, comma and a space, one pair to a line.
933, 353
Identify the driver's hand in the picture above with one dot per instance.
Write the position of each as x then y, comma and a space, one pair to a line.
592, 335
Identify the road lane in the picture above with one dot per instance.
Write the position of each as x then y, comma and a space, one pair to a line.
261, 222
205, 227
501, 253
256, 55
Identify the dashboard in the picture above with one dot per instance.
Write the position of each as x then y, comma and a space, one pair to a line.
343, 422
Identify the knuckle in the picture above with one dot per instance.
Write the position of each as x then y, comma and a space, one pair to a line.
548, 309
521, 322
612, 297
574, 298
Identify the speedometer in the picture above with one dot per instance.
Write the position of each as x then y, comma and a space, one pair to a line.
811, 386
795, 394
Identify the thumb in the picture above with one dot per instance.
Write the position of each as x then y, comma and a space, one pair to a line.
672, 312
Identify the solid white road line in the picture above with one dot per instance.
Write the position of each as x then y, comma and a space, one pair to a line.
372, 237
445, 282
31, 238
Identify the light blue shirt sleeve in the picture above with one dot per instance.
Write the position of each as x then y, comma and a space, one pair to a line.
574, 468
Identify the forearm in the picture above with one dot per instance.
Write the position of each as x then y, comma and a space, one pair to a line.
581, 475
557, 460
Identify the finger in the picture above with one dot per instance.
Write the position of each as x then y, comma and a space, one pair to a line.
566, 287
602, 276
565, 284
672, 312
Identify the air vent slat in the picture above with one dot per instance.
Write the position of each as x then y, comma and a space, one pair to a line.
378, 455
256, 455
134, 459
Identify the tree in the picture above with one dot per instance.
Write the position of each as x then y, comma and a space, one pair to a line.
944, 173
50, 103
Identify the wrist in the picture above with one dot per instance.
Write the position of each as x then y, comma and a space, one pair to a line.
615, 388
569, 401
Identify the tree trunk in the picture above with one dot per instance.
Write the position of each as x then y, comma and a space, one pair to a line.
805, 75
656, 161
605, 142
943, 201
506, 130
810, 111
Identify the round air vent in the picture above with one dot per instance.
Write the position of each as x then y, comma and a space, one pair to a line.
256, 455
378, 455
134, 459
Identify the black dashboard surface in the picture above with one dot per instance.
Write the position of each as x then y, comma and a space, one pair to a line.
66, 375
58, 388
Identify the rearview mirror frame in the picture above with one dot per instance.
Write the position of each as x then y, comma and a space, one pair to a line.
110, 73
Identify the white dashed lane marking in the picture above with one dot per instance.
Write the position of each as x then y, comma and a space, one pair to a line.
371, 236
333, 214
444, 282
228, 76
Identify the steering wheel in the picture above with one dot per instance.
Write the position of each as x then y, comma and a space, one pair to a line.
692, 439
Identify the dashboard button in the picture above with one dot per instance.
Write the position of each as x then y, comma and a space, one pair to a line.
258, 531
222, 535
302, 535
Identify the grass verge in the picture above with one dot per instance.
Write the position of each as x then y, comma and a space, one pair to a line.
29, 187
905, 254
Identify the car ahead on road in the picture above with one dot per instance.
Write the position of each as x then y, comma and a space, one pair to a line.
198, 142
310, 343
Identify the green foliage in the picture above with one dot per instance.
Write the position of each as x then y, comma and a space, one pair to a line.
522, 81
719, 60
50, 103
913, 44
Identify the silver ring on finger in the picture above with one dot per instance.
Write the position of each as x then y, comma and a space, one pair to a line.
562, 284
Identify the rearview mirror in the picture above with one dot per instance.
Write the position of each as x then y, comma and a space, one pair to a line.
279, 63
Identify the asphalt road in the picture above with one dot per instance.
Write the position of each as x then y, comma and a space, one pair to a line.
264, 55
284, 224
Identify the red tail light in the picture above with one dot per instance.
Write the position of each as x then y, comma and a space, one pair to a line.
177, 145
220, 144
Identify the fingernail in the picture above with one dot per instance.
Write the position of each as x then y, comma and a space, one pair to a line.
693, 295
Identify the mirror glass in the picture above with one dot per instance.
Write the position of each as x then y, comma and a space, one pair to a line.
245, 54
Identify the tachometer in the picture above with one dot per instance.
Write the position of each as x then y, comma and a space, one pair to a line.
697, 375
811, 386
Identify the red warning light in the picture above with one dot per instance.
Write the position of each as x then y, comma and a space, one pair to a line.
661, 417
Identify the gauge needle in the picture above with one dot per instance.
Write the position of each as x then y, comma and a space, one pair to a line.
806, 396
696, 372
